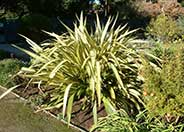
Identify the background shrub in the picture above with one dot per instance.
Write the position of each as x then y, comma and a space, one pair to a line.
163, 28
33, 24
163, 88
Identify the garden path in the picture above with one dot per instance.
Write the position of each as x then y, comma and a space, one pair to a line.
17, 116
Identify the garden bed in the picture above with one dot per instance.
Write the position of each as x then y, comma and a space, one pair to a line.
79, 77
82, 119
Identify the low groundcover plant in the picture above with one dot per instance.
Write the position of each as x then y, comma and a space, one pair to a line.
142, 122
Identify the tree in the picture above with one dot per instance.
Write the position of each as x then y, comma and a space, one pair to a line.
44, 7
125, 8
17, 7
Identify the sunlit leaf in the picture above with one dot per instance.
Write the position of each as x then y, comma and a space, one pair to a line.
69, 107
65, 98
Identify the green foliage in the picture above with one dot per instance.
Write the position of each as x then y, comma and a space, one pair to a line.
3, 55
19, 8
8, 68
31, 25
36, 20
163, 88
37, 99
66, 8
12, 9
56, 8
9, 15
163, 28
119, 122
126, 8
180, 22
181, 2
116, 122
95, 68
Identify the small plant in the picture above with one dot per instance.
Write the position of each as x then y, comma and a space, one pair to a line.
116, 122
8, 69
120, 122
97, 68
163, 28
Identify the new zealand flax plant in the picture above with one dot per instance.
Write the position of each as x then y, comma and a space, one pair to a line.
98, 68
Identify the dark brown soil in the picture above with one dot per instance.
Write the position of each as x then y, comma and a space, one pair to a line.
82, 119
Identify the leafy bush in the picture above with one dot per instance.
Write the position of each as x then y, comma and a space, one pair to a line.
163, 28
95, 68
8, 68
32, 24
163, 88
119, 122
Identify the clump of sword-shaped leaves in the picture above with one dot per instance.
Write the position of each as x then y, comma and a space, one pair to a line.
98, 68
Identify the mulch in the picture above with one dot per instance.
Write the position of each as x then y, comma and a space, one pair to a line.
80, 118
